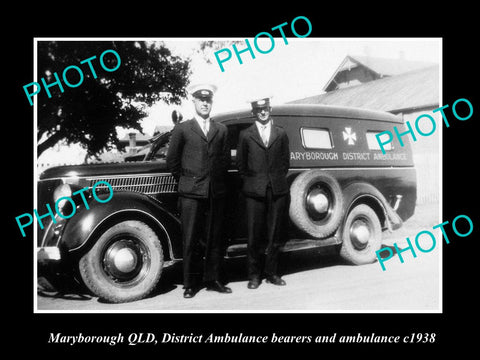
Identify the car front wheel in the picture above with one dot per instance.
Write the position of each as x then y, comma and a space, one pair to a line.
124, 264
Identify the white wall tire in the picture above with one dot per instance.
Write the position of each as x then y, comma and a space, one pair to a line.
316, 205
124, 264
361, 235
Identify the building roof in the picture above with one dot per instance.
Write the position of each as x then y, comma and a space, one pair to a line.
380, 67
160, 129
390, 67
412, 90
140, 139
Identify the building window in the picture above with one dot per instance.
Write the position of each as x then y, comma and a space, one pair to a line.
316, 138
373, 142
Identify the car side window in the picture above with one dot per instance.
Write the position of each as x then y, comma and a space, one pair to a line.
315, 138
373, 142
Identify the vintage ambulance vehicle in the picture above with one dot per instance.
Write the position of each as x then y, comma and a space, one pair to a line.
344, 192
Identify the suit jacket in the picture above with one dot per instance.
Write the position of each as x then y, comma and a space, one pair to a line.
199, 164
259, 165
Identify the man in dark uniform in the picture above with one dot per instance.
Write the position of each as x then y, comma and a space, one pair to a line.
198, 157
263, 159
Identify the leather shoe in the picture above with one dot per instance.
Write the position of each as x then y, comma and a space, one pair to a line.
218, 287
189, 293
276, 280
254, 283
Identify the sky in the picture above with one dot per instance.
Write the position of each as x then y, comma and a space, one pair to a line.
290, 71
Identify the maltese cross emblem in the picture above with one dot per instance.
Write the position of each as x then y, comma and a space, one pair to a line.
350, 136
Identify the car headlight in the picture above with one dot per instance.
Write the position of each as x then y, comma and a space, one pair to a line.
63, 190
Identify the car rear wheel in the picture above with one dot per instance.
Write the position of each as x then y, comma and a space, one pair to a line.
124, 264
316, 205
361, 235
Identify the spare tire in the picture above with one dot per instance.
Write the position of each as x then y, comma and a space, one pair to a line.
316, 205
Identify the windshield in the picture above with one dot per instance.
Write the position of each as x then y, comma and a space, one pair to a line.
160, 147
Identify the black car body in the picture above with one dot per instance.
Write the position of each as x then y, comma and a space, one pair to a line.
344, 192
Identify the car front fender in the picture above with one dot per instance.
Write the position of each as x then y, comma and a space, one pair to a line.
87, 224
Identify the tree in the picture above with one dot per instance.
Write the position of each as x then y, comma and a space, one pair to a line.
209, 45
89, 113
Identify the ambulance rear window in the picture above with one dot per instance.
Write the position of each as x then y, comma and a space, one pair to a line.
373, 142
316, 138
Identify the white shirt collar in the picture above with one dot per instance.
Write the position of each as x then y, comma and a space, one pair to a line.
201, 121
267, 126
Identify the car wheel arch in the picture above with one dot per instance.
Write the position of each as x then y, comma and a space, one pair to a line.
161, 230
140, 207
364, 193
374, 203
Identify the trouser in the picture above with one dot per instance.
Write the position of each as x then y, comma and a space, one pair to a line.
202, 221
265, 222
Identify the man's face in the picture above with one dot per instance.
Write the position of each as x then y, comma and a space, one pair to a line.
203, 106
262, 114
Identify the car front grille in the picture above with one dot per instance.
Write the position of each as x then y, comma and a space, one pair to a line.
146, 184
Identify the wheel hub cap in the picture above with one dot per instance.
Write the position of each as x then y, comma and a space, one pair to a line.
125, 260
318, 202
360, 233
